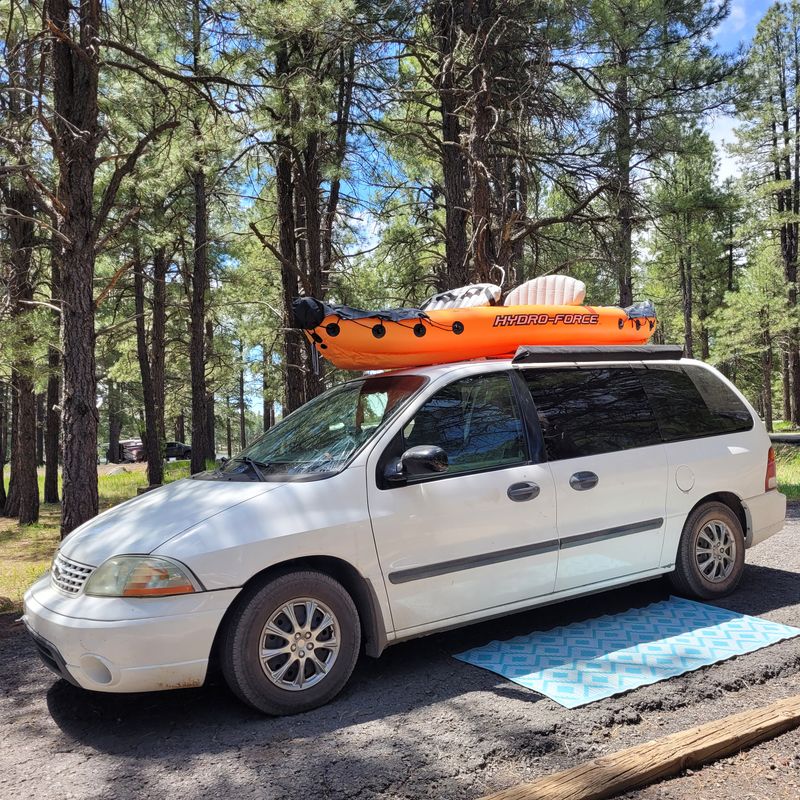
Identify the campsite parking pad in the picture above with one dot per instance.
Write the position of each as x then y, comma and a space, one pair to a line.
416, 723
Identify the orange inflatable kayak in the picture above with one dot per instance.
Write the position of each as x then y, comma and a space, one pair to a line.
367, 340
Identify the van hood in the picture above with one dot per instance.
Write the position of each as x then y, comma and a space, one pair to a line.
142, 524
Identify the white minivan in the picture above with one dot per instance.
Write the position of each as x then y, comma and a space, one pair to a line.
404, 503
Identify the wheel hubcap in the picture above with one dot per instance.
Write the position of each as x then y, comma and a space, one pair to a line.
299, 644
715, 551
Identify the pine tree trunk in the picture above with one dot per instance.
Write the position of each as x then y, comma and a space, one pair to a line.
347, 70
211, 438
454, 166
3, 443
52, 444
197, 366
766, 368
786, 386
40, 429
75, 81
11, 507
293, 343
152, 444
114, 423
266, 397
242, 428
685, 280
482, 115
623, 151
158, 341
24, 500
199, 282
228, 432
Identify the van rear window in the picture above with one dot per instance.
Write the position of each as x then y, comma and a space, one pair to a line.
690, 401
588, 411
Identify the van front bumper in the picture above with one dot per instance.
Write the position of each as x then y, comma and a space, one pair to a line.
766, 514
125, 645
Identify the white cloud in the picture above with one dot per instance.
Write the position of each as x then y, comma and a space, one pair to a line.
721, 131
737, 19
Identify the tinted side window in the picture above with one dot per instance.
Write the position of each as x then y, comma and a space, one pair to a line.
475, 421
586, 411
690, 401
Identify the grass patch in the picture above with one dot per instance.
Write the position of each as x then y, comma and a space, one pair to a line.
787, 461
782, 426
26, 551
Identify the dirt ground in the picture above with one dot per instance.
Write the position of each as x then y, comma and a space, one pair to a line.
414, 724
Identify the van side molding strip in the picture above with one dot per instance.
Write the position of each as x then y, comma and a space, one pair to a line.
498, 556
612, 533
469, 562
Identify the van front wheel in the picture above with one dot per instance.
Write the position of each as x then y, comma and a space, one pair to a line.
710, 557
292, 643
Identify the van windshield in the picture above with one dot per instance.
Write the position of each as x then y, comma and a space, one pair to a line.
321, 436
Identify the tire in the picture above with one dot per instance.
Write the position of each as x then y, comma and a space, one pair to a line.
245, 631
717, 574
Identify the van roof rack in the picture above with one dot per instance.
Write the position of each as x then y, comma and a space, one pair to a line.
536, 354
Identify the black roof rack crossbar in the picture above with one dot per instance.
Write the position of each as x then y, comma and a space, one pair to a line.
536, 354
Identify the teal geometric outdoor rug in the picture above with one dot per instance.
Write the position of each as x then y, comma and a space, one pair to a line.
586, 661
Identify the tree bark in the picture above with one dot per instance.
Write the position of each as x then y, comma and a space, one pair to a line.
211, 438
52, 444
228, 432
11, 507
199, 281
293, 340
242, 428
786, 387
454, 166
40, 397
266, 397
685, 278
24, 499
347, 62
158, 340
623, 150
766, 368
114, 422
3, 440
479, 24
152, 444
75, 81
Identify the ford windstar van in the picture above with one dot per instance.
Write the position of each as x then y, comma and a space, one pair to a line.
404, 503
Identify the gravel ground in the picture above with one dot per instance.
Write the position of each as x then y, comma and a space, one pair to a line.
414, 724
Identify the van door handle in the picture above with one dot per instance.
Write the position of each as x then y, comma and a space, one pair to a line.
518, 492
581, 481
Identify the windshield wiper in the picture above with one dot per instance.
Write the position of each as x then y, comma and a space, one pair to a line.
254, 465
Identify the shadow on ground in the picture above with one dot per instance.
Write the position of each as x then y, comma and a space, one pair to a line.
406, 678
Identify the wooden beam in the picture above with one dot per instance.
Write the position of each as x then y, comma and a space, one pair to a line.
661, 758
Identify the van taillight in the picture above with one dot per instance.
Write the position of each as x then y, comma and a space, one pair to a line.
771, 480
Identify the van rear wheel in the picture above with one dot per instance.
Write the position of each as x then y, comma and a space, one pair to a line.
710, 559
291, 643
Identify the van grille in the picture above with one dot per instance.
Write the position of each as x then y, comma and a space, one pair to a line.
69, 576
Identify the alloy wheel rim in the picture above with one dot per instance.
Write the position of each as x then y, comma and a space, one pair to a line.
299, 644
715, 551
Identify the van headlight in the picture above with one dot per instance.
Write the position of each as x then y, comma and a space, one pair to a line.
141, 576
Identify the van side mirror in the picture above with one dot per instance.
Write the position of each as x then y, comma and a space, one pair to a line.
424, 459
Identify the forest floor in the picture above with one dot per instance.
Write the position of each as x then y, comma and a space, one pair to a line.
415, 723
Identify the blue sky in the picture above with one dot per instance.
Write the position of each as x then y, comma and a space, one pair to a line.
737, 29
